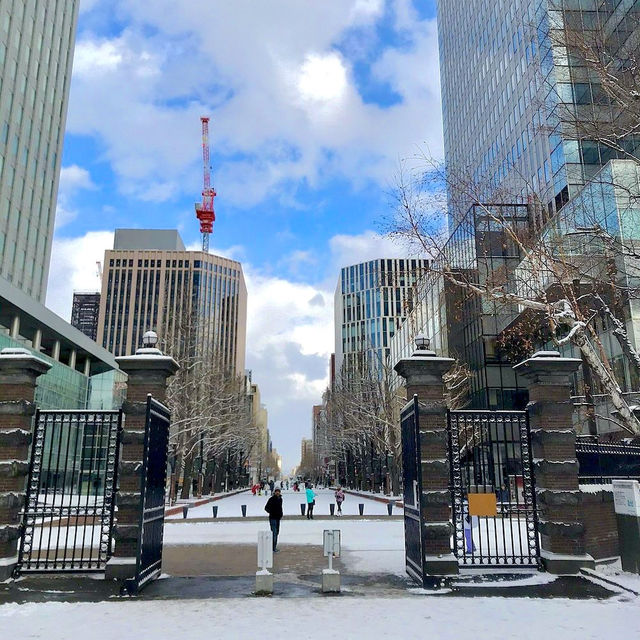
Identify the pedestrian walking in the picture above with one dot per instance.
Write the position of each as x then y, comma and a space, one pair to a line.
339, 494
272, 485
274, 509
311, 502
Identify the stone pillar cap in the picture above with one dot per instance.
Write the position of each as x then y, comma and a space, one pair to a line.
151, 361
19, 357
547, 362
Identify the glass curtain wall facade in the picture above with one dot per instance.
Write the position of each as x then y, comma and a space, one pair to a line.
36, 55
513, 96
372, 300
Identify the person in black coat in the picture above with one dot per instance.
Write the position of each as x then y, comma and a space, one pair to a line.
274, 509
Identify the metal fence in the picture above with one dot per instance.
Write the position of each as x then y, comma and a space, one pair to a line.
153, 488
602, 462
68, 514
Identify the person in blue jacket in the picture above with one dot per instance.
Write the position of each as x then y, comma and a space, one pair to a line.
311, 501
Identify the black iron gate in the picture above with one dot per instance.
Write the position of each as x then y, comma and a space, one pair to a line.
152, 487
68, 513
411, 468
492, 486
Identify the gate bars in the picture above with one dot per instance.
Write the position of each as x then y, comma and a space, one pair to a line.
152, 488
68, 513
492, 485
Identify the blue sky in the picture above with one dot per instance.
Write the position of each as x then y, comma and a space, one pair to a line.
313, 105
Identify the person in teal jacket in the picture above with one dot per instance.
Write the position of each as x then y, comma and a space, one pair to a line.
311, 501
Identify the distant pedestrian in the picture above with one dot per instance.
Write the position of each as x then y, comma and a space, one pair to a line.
274, 509
311, 502
287, 485
272, 484
339, 494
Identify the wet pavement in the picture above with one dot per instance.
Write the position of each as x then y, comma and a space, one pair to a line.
38, 588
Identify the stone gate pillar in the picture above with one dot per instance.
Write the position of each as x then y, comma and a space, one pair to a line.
553, 441
148, 372
423, 373
19, 372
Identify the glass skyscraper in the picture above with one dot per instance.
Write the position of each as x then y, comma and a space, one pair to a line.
513, 96
36, 55
372, 300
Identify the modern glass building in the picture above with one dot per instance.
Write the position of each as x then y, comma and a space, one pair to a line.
82, 375
372, 300
151, 282
36, 56
516, 98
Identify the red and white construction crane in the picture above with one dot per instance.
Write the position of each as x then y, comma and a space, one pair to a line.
204, 209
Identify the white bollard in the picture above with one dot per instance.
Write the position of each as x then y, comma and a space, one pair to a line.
264, 578
331, 548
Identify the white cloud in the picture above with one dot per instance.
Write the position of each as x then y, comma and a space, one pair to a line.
72, 179
322, 78
272, 98
73, 267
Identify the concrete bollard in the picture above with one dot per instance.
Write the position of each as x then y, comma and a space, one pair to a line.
215, 510
303, 508
332, 508
244, 510
185, 511
361, 508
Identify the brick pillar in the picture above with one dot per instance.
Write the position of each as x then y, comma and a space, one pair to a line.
553, 441
19, 372
147, 372
423, 374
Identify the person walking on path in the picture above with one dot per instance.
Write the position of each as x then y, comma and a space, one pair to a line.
311, 501
274, 509
339, 494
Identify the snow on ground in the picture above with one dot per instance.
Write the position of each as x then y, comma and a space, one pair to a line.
328, 618
615, 573
231, 507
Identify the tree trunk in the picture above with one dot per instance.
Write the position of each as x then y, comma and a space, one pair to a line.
186, 481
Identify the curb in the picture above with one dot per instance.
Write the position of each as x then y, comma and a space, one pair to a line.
172, 511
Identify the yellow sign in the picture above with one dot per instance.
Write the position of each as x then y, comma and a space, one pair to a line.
483, 504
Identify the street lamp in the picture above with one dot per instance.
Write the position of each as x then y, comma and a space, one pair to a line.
423, 344
149, 342
149, 339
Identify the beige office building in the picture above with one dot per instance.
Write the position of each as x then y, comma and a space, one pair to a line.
36, 56
151, 282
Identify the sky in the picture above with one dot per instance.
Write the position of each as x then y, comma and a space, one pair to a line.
313, 105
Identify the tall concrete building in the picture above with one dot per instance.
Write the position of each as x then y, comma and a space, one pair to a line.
372, 300
151, 282
513, 96
36, 56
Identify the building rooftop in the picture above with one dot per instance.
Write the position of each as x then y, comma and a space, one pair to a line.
147, 240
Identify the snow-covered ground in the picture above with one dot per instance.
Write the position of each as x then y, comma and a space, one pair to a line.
231, 507
411, 616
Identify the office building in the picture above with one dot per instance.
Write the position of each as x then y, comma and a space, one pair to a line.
372, 299
524, 116
82, 375
513, 97
36, 56
85, 311
151, 282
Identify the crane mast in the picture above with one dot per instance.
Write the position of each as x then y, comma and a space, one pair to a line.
204, 210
